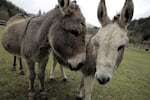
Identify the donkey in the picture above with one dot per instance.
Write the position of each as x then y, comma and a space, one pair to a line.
19, 17
104, 51
14, 19
62, 29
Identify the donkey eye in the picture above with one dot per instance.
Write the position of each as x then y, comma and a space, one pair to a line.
73, 33
121, 47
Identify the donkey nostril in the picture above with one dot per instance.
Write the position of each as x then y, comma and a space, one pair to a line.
107, 80
103, 80
79, 66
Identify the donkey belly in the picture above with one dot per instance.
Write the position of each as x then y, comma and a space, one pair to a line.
11, 42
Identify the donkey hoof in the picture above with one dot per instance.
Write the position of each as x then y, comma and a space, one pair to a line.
22, 73
79, 98
65, 79
31, 95
44, 95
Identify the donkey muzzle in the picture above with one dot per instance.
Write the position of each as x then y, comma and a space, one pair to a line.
76, 62
79, 66
103, 78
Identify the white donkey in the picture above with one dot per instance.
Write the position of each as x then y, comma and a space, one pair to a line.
105, 49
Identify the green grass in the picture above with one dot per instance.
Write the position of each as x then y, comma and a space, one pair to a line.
130, 82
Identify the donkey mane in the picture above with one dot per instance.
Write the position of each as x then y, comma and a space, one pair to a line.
16, 18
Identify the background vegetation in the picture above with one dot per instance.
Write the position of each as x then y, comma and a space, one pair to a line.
140, 30
7, 10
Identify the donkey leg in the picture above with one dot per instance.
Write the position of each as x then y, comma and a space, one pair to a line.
31, 79
80, 89
14, 64
85, 88
53, 68
41, 76
63, 73
88, 86
21, 72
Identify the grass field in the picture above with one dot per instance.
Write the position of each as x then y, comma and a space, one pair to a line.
130, 82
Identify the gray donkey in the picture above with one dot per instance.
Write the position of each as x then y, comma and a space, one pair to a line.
18, 17
13, 20
104, 51
62, 29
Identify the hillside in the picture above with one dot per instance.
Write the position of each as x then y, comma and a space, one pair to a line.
140, 29
7, 10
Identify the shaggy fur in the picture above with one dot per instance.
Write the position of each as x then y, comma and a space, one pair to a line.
32, 39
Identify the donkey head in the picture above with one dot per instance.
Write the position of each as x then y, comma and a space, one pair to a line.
110, 41
68, 34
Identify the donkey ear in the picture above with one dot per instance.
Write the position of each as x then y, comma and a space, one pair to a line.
63, 5
126, 13
102, 13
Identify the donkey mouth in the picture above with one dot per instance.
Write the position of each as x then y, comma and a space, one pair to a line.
78, 67
103, 80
